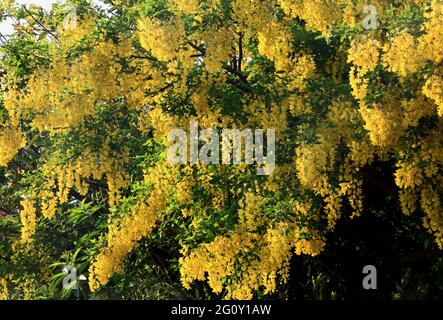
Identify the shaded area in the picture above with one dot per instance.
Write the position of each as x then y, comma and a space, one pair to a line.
408, 262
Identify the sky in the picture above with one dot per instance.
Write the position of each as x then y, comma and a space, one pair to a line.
6, 27
46, 4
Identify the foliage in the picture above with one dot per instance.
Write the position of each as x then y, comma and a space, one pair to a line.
86, 108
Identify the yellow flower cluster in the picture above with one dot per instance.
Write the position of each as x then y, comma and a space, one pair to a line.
220, 258
123, 238
433, 89
419, 180
312, 163
186, 6
362, 152
206, 117
74, 30
271, 117
319, 15
142, 87
217, 259
60, 97
11, 141
161, 122
184, 192
408, 201
402, 55
218, 43
384, 123
431, 43
408, 175
75, 174
316, 162
28, 220
274, 40
312, 247
299, 69
254, 15
414, 110
4, 291
250, 213
6, 4
162, 38
364, 53
124, 235
431, 204
274, 43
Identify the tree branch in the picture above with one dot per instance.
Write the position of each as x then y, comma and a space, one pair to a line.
40, 23
240, 48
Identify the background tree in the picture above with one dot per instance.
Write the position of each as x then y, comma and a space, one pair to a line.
87, 104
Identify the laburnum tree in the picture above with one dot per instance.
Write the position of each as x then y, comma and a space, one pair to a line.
87, 102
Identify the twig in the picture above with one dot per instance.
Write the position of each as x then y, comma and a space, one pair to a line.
40, 24
240, 47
